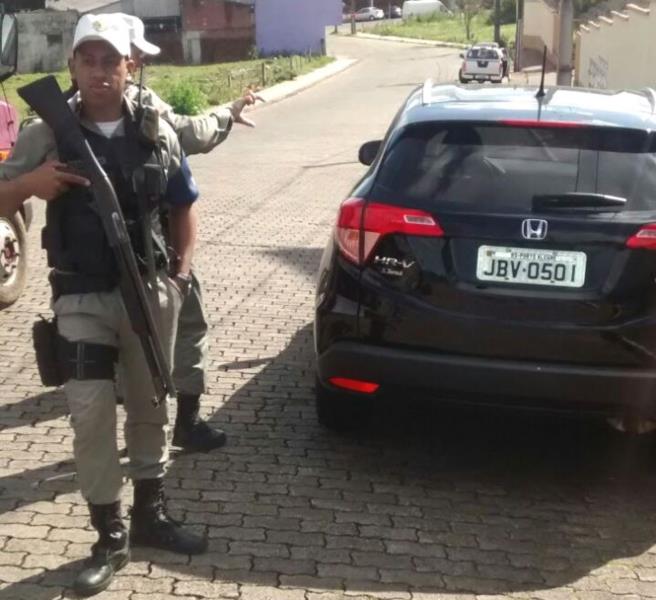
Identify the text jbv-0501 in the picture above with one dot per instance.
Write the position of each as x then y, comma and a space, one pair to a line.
531, 266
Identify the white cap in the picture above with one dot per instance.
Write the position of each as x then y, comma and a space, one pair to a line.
105, 28
137, 37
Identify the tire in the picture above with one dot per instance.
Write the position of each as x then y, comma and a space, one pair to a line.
463, 81
340, 411
13, 259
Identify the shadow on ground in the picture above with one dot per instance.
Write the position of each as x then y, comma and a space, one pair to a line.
426, 498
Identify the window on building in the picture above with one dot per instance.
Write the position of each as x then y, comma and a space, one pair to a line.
163, 25
54, 39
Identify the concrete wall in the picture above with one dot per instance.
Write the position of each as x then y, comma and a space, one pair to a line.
539, 28
618, 50
45, 38
294, 26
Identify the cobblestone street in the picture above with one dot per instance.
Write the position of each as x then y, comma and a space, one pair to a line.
426, 503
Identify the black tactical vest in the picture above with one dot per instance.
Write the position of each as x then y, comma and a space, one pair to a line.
74, 238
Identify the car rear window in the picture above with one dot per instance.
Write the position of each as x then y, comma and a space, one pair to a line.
498, 167
482, 54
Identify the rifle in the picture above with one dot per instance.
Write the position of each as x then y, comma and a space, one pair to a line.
46, 99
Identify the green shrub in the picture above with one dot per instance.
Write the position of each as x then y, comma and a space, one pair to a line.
186, 98
435, 17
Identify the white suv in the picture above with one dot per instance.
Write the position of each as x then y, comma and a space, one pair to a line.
483, 62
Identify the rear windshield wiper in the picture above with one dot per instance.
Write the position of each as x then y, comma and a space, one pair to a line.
578, 202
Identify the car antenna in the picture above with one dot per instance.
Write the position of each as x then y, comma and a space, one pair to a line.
541, 93
141, 83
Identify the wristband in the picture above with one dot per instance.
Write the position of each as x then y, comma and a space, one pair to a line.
183, 281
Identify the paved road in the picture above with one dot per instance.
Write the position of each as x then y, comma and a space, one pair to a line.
425, 503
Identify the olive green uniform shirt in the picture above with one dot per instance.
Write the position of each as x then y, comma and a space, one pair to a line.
197, 135
36, 145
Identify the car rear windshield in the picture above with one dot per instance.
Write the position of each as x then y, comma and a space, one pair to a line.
499, 167
482, 54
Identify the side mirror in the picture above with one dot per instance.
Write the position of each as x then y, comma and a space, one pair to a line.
462, 55
8, 46
368, 152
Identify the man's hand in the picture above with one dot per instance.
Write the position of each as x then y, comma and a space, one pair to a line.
238, 106
50, 180
182, 283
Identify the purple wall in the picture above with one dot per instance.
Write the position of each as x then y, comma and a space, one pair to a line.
296, 26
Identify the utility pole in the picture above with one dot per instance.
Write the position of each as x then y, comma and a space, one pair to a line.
497, 19
519, 30
353, 30
565, 42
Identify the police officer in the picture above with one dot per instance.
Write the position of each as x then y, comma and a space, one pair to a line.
91, 317
198, 134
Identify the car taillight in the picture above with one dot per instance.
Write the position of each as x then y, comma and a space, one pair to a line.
361, 225
645, 238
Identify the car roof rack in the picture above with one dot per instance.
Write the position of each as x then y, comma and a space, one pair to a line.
427, 92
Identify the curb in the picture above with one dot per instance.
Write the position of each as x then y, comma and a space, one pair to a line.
404, 40
285, 89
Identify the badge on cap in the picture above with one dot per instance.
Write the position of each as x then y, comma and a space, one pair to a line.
99, 25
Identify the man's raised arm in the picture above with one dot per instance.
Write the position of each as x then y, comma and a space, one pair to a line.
202, 133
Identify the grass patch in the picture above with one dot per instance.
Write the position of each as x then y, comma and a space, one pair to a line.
445, 28
219, 83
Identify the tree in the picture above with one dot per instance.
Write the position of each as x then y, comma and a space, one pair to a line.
469, 9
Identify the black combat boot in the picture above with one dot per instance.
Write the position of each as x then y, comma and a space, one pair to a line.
109, 554
150, 525
190, 431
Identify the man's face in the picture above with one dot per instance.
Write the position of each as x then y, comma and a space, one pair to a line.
101, 74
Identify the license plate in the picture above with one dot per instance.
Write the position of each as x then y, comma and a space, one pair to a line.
531, 266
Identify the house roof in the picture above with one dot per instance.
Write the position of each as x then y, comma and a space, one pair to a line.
82, 6
85, 6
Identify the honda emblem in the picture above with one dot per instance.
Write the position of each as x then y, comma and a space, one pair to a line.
534, 229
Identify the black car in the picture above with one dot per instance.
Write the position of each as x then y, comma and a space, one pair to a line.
500, 249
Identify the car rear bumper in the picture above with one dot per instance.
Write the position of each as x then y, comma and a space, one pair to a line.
483, 78
547, 386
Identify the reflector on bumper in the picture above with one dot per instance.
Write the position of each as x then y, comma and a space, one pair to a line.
354, 385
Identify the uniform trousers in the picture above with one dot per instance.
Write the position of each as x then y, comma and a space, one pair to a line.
101, 318
190, 356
